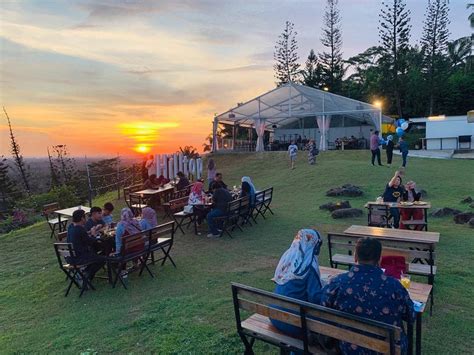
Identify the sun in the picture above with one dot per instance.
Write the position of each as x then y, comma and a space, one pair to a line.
142, 148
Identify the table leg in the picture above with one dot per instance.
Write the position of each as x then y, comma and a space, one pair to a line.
418, 333
410, 337
426, 219
60, 224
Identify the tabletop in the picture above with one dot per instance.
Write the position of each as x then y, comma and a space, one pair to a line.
418, 291
152, 191
424, 205
396, 234
69, 211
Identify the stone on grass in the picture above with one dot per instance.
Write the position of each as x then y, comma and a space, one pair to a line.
332, 206
467, 200
445, 211
346, 190
464, 217
471, 205
347, 213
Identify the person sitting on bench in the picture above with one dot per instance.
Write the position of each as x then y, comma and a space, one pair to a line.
393, 193
366, 291
220, 200
297, 274
410, 195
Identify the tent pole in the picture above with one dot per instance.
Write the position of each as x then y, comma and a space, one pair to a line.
214, 135
380, 122
233, 137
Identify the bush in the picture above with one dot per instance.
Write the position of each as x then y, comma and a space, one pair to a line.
64, 195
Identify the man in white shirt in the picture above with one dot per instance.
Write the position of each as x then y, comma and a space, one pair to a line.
150, 165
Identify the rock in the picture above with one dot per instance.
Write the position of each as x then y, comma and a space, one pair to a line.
471, 205
467, 200
347, 213
423, 193
443, 212
332, 206
464, 217
471, 222
345, 190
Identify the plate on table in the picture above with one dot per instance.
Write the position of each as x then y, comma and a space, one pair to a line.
420, 203
406, 203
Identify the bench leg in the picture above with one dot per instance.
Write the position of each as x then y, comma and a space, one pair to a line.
248, 345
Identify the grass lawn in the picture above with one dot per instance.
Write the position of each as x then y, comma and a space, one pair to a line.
189, 309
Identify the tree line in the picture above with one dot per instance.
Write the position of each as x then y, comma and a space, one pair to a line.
412, 78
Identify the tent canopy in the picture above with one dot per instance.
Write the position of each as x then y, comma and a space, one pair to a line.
292, 101
289, 103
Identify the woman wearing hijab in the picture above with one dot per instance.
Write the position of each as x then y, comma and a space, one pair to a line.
128, 225
312, 152
297, 274
196, 199
389, 149
248, 189
211, 171
148, 220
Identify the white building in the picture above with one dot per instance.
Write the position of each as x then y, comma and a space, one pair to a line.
447, 132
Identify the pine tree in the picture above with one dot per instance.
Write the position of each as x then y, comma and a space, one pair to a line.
313, 71
55, 181
287, 68
434, 43
331, 59
394, 32
8, 191
17, 157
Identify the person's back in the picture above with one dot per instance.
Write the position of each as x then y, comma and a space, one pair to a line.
221, 198
366, 291
77, 235
403, 146
374, 142
292, 150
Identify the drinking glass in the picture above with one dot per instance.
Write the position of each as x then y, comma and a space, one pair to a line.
405, 280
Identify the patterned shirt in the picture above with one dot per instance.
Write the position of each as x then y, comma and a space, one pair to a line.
367, 292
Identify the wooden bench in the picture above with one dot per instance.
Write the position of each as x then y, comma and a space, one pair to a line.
263, 305
174, 208
54, 223
231, 220
420, 256
161, 238
133, 202
263, 200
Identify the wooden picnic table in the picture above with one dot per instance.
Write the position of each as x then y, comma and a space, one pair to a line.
422, 205
145, 194
394, 234
68, 213
419, 292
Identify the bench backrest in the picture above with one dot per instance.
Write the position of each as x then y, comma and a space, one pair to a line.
133, 244
129, 189
373, 335
50, 208
407, 248
63, 251
178, 204
61, 236
268, 195
377, 215
165, 230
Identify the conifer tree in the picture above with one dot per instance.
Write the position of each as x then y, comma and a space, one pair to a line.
287, 68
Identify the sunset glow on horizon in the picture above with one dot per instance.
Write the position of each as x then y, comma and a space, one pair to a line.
110, 77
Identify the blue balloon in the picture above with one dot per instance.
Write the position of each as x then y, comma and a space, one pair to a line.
400, 122
400, 132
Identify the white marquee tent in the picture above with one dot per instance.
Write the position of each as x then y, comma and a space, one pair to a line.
291, 102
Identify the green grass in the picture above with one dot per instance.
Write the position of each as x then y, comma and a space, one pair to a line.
189, 309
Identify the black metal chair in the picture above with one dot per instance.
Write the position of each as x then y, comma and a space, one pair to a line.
74, 272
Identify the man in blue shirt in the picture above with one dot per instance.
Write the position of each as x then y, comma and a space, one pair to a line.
367, 292
95, 221
83, 245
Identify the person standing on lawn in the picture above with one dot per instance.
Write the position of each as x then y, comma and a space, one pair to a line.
312, 152
374, 147
403, 145
292, 153
389, 150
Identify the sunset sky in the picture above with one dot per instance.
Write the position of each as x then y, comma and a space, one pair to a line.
105, 77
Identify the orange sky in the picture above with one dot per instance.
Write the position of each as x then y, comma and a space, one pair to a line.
105, 77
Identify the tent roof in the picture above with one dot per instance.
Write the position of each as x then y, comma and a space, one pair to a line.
291, 101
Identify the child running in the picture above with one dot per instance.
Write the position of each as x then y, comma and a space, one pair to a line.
292, 152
